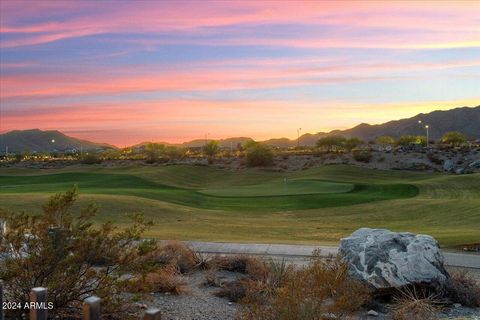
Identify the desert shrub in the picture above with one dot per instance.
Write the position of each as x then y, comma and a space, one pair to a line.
163, 279
454, 138
352, 143
362, 155
385, 140
90, 158
153, 152
258, 155
173, 253
238, 263
235, 290
211, 148
331, 143
464, 289
412, 303
278, 273
409, 140
211, 279
59, 249
321, 288
260, 277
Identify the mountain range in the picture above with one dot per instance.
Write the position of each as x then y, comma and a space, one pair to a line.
36, 140
465, 120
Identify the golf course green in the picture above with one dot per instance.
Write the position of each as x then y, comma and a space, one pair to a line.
318, 205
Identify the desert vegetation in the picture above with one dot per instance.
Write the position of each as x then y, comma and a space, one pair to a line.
64, 250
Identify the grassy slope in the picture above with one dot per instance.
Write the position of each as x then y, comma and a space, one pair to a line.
447, 206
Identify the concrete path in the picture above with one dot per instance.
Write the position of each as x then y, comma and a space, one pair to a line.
300, 253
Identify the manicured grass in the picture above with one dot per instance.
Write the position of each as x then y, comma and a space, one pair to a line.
278, 188
318, 205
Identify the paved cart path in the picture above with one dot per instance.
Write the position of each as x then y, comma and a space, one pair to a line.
299, 253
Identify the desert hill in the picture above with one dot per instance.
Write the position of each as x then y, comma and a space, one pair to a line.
36, 140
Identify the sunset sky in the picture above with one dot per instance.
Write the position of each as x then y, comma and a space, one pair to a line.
124, 72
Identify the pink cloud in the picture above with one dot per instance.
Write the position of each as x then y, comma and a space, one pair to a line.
215, 76
447, 24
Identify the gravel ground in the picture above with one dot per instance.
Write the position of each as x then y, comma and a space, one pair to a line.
198, 303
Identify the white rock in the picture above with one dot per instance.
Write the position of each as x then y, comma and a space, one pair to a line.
372, 313
386, 259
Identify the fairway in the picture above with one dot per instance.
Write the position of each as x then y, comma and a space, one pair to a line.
318, 205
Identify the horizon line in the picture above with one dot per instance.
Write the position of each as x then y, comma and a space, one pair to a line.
71, 134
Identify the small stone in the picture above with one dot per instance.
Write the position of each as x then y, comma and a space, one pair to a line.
372, 313
457, 305
230, 303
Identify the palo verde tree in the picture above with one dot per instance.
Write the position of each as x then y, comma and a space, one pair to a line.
211, 148
409, 140
385, 141
352, 143
258, 154
154, 151
62, 250
454, 138
331, 143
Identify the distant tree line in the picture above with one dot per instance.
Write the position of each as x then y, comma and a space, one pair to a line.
340, 143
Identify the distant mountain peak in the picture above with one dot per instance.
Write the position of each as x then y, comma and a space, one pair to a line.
36, 140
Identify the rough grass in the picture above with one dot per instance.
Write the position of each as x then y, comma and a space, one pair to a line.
416, 304
463, 288
446, 206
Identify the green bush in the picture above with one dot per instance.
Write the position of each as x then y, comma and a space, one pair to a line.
211, 148
362, 155
259, 155
454, 138
408, 140
90, 158
331, 143
153, 152
67, 253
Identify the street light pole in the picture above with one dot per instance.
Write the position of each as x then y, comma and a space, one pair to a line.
426, 127
298, 137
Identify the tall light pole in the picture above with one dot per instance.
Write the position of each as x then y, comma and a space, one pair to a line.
426, 127
298, 137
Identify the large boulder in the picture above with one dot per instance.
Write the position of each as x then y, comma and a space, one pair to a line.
386, 259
